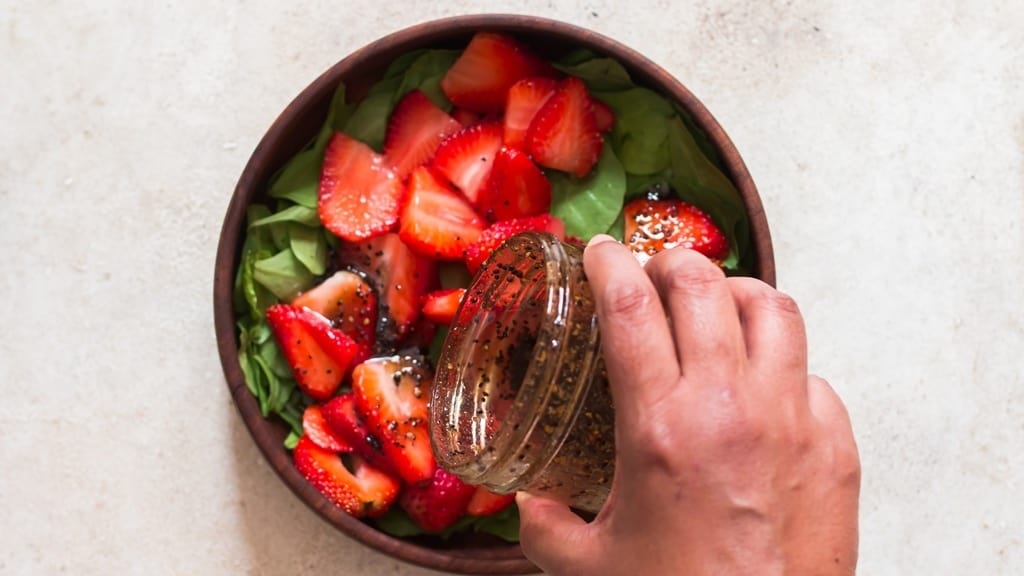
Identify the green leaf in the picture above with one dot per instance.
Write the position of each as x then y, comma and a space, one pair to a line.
618, 228
639, 185
640, 134
298, 214
283, 275
599, 74
504, 524
299, 180
310, 247
368, 123
697, 181
292, 440
437, 344
273, 358
398, 524
588, 206
425, 74
574, 58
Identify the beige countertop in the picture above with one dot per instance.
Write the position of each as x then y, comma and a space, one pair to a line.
887, 140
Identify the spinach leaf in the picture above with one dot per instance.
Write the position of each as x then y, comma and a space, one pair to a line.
283, 275
309, 246
599, 74
296, 213
640, 134
425, 74
701, 183
588, 206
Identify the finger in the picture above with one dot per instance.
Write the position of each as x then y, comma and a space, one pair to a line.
552, 536
638, 352
705, 323
773, 332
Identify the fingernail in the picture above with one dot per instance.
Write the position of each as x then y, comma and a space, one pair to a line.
600, 239
522, 497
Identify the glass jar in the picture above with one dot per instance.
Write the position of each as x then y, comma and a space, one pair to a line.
520, 400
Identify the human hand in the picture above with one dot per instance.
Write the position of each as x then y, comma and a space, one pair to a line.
730, 458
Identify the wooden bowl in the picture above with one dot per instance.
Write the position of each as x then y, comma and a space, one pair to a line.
297, 125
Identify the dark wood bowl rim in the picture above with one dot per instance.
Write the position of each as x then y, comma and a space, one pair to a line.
507, 559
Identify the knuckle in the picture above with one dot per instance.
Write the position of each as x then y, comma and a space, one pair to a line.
778, 303
695, 278
627, 299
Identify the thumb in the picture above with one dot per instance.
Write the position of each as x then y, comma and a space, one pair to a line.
552, 536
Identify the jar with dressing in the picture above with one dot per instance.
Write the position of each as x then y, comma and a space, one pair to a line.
520, 399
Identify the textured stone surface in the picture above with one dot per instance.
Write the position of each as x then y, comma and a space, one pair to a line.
887, 140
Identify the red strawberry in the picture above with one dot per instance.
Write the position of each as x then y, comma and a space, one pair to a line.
355, 486
320, 356
525, 98
466, 158
563, 134
517, 188
485, 502
439, 504
466, 117
359, 194
349, 303
400, 276
440, 306
392, 394
415, 130
316, 429
604, 118
342, 420
498, 232
491, 63
437, 221
656, 225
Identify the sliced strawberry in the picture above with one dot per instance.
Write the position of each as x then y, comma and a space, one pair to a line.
320, 356
356, 488
439, 504
656, 225
491, 63
399, 275
497, 233
316, 429
465, 117
415, 130
349, 303
342, 420
517, 188
563, 134
440, 306
359, 194
437, 221
391, 394
604, 117
466, 158
484, 502
525, 98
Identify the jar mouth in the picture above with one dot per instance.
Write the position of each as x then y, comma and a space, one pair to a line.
489, 390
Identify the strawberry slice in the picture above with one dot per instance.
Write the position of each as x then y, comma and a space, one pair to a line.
439, 504
391, 394
359, 195
655, 225
497, 233
479, 80
563, 134
399, 275
604, 117
525, 98
415, 130
466, 158
343, 421
346, 480
349, 303
320, 356
437, 221
466, 118
485, 503
440, 306
517, 188
315, 427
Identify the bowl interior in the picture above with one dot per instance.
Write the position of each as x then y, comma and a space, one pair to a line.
296, 127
